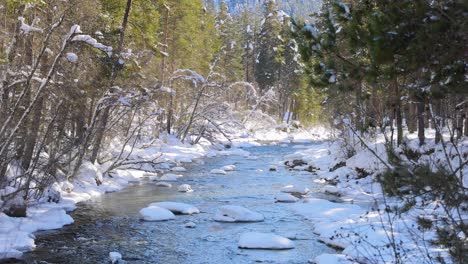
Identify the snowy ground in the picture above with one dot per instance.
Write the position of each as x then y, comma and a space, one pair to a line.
366, 225
16, 234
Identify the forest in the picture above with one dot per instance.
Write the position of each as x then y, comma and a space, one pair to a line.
368, 97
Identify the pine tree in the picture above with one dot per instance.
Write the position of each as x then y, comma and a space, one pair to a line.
268, 52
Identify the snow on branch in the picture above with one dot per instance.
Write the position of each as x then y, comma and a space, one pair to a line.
188, 75
90, 41
28, 28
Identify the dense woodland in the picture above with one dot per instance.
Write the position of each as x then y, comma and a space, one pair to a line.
78, 75
402, 61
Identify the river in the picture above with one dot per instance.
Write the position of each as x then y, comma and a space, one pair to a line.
112, 222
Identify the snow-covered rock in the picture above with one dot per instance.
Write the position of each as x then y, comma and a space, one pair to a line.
66, 186
218, 171
229, 168
272, 168
286, 198
156, 213
294, 156
234, 213
295, 189
178, 169
178, 208
170, 177
255, 240
164, 184
115, 257
153, 178
184, 188
331, 190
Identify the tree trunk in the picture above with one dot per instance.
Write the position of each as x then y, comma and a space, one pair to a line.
358, 121
169, 115
411, 118
437, 122
33, 133
398, 116
466, 122
460, 116
100, 134
105, 116
421, 126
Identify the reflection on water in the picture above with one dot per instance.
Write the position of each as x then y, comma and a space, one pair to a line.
111, 222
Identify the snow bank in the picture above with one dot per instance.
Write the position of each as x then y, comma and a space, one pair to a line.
234, 213
366, 234
255, 240
178, 208
16, 232
319, 209
156, 213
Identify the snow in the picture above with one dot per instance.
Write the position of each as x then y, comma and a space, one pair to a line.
115, 257
333, 259
89, 40
311, 29
234, 213
156, 213
72, 57
164, 184
295, 189
229, 168
331, 190
255, 240
28, 28
178, 208
286, 198
178, 169
184, 188
218, 171
170, 177
16, 232
319, 209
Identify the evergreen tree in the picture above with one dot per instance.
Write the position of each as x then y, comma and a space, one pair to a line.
268, 54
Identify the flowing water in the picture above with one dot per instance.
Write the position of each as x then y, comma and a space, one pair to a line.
112, 222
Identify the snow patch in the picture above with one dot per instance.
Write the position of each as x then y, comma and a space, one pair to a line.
234, 213
156, 213
178, 208
255, 240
